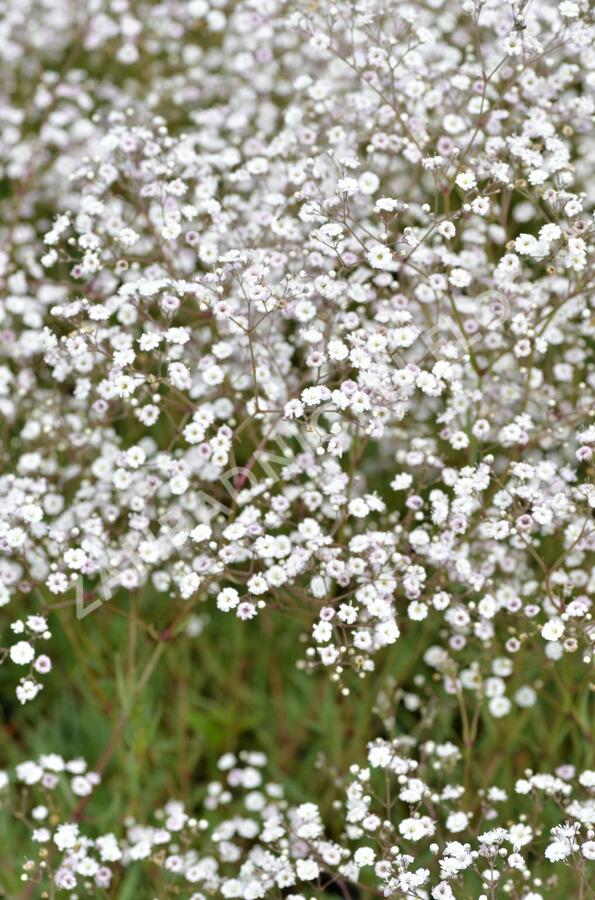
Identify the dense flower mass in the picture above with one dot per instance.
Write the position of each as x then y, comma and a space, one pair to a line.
297, 324
256, 844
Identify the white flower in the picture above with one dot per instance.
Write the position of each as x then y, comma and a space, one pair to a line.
307, 869
447, 229
553, 630
135, 457
459, 278
499, 706
75, 558
201, 533
414, 829
368, 183
108, 848
457, 821
364, 856
466, 181
22, 653
557, 851
227, 599
520, 834
527, 245
380, 257
358, 508
387, 632
81, 786
66, 836
525, 697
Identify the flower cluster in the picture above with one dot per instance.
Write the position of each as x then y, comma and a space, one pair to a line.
249, 842
297, 316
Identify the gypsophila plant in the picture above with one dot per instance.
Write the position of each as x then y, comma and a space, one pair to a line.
297, 503
258, 845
